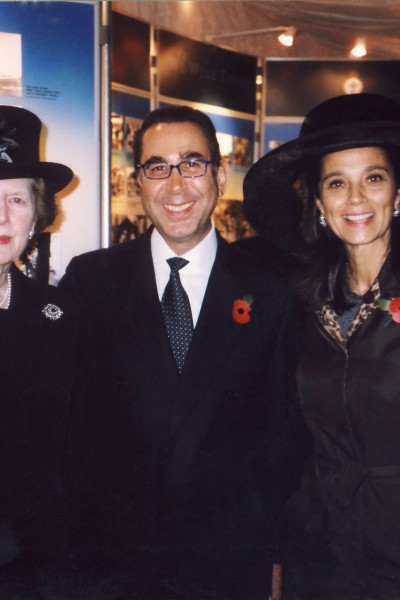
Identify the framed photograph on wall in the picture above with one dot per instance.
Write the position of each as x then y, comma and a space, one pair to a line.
127, 217
230, 221
128, 220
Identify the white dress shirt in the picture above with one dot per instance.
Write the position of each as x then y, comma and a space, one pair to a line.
194, 276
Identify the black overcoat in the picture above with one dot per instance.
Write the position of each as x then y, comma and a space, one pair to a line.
45, 382
190, 470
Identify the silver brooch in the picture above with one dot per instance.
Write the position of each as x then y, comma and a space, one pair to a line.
53, 312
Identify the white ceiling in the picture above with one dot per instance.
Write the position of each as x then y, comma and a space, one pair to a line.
326, 28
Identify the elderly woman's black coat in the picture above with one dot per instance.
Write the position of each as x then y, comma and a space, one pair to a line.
44, 369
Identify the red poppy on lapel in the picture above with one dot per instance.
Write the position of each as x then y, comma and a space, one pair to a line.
392, 306
241, 310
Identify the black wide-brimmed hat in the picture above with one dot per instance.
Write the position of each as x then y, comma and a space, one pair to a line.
340, 123
19, 149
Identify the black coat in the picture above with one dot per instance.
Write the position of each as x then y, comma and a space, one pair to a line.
45, 374
345, 516
191, 469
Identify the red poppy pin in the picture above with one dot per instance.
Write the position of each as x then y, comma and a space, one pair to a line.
241, 310
391, 306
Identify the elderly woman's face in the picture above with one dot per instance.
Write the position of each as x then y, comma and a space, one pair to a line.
357, 195
17, 217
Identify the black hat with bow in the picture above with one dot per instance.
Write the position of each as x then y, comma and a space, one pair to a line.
19, 149
340, 123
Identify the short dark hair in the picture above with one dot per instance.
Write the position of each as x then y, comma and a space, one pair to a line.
178, 114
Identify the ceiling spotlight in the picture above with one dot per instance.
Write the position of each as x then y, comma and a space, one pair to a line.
359, 49
286, 38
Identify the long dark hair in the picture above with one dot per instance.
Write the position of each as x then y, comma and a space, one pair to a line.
321, 254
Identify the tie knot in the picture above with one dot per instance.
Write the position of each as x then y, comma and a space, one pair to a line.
177, 263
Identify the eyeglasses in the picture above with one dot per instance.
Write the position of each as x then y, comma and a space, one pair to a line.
186, 168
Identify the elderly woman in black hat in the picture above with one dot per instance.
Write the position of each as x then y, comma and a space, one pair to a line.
344, 520
40, 362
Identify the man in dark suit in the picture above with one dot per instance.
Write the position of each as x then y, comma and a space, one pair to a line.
192, 453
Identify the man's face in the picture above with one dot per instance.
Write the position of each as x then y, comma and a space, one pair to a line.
179, 207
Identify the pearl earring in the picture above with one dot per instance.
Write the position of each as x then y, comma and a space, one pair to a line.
322, 220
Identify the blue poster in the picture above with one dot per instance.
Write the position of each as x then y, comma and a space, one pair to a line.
48, 64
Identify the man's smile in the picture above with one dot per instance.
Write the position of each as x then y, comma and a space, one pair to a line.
178, 207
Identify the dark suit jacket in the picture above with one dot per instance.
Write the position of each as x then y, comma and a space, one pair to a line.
190, 469
278, 260
43, 367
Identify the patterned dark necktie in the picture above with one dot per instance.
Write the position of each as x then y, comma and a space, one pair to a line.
177, 313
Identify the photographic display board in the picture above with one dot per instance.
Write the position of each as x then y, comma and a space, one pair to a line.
199, 72
296, 86
128, 219
219, 82
130, 51
49, 65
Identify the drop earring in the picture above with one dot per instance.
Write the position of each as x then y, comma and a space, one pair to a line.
322, 220
32, 231
396, 211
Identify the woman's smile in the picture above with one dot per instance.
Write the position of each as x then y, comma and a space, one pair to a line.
359, 219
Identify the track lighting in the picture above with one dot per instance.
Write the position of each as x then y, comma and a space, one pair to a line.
286, 34
359, 50
286, 38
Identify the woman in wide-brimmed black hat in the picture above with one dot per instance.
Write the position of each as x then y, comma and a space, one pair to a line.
42, 361
343, 522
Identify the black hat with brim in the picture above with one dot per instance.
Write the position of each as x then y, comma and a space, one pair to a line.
19, 149
340, 123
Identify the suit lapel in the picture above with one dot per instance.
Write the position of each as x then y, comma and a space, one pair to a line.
215, 336
216, 330
141, 316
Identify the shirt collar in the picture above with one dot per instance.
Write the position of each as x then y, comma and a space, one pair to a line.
202, 255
